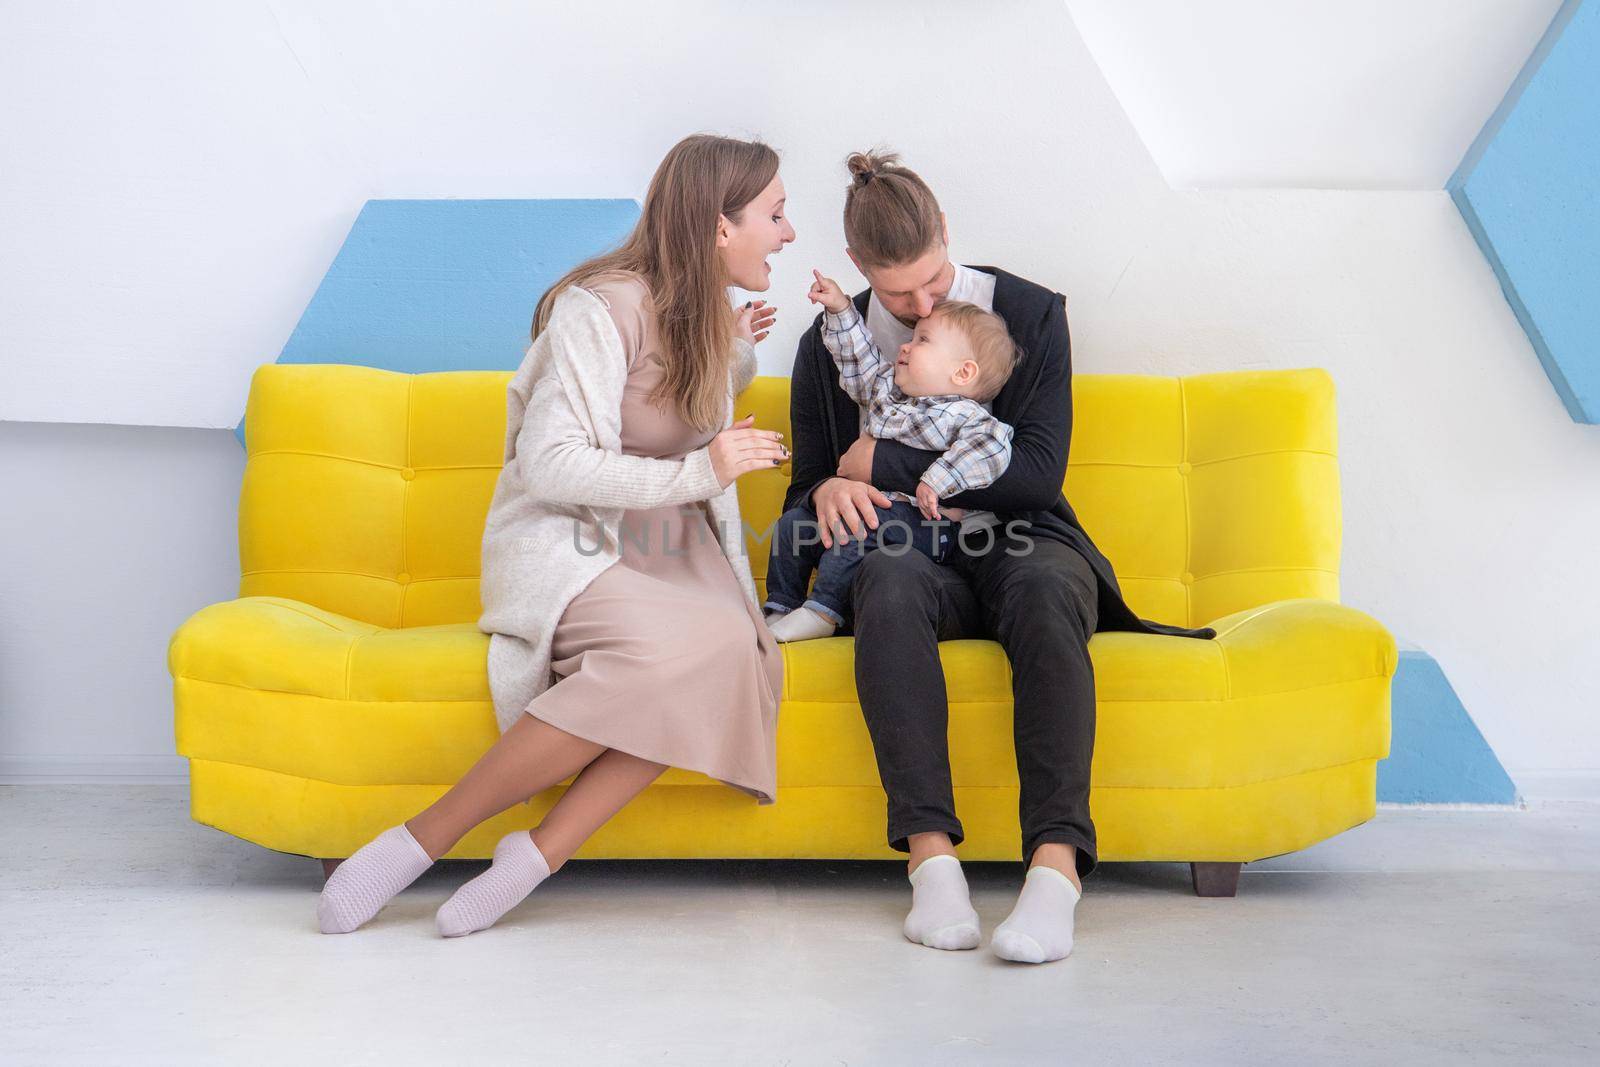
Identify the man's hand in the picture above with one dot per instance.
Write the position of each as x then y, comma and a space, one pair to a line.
826, 291
856, 463
927, 500
843, 504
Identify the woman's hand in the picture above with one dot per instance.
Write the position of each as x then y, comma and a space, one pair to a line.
841, 504
755, 320
742, 448
826, 291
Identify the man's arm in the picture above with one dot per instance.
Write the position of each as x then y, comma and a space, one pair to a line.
810, 465
1042, 434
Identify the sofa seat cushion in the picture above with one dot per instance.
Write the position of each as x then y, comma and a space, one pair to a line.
279, 684
1286, 688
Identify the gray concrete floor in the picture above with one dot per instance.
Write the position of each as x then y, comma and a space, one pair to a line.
128, 934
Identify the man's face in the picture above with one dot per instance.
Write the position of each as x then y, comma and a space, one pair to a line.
909, 291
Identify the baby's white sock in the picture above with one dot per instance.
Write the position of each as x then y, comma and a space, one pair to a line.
941, 908
802, 624
1039, 928
518, 867
361, 885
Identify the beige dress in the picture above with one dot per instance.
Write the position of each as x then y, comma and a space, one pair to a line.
663, 655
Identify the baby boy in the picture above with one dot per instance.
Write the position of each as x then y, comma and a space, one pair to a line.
930, 396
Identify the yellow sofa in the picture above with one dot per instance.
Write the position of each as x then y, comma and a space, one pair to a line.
345, 688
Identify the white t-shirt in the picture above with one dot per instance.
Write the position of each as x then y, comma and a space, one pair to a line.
889, 333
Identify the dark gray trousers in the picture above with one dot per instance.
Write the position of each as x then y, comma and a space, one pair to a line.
1040, 602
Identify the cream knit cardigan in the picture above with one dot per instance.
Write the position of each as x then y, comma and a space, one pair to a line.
553, 521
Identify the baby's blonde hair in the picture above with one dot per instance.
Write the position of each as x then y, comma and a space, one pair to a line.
995, 353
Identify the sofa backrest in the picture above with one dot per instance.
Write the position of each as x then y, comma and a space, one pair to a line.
365, 490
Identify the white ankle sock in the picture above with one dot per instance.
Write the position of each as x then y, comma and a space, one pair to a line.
368, 880
518, 867
1039, 928
941, 908
802, 624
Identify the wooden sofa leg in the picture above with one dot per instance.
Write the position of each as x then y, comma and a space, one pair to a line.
328, 867
1215, 879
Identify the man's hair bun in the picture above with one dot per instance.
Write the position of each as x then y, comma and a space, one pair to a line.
890, 214
865, 166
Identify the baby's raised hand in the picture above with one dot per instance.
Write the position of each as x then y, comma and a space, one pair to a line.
826, 291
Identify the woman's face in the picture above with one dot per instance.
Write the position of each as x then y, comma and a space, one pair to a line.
762, 230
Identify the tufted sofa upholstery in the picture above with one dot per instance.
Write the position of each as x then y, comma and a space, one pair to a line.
345, 687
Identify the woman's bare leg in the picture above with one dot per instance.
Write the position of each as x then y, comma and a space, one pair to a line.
523, 860
600, 791
529, 758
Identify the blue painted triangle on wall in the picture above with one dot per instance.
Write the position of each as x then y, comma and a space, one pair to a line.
1436, 753
1529, 192
431, 285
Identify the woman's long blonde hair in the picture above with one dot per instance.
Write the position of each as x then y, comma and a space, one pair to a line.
673, 247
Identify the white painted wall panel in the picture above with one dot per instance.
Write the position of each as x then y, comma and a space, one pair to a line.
1358, 94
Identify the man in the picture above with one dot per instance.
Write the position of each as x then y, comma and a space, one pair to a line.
1022, 572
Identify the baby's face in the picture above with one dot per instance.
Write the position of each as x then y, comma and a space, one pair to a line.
936, 361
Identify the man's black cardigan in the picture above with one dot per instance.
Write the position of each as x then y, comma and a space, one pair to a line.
1036, 401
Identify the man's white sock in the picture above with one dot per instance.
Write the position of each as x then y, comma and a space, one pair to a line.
1039, 928
361, 885
517, 869
941, 908
802, 624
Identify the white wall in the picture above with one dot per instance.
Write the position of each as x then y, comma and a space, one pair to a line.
111, 537
171, 205
1359, 94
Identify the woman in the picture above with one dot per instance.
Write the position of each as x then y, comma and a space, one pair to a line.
613, 550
